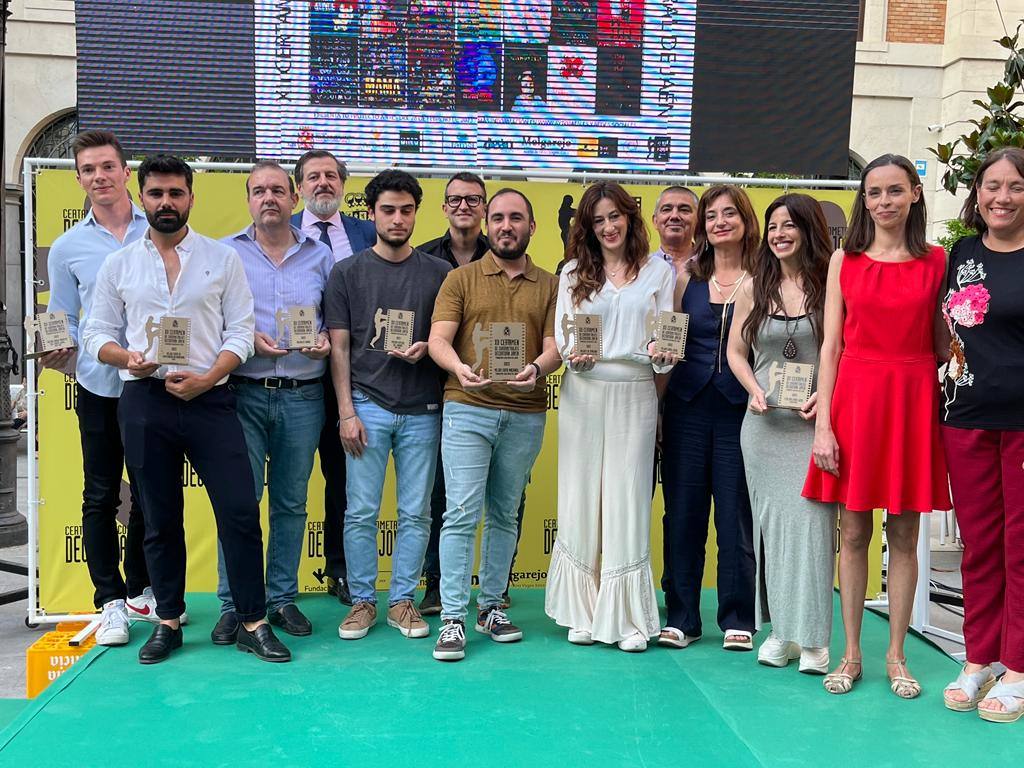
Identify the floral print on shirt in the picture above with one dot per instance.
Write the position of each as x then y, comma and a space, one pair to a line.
965, 306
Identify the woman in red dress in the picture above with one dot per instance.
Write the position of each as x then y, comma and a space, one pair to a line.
876, 442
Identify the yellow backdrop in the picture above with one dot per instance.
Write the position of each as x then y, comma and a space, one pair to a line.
220, 210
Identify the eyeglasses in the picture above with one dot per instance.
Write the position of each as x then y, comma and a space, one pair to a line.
454, 201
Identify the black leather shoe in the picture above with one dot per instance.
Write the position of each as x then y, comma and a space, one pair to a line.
160, 644
226, 631
262, 642
339, 588
290, 619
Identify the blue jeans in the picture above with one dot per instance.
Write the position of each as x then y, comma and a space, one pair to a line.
283, 424
487, 456
412, 439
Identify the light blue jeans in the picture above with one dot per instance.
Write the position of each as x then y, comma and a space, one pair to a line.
487, 457
412, 439
284, 425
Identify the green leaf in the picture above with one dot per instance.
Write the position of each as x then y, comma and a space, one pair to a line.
949, 181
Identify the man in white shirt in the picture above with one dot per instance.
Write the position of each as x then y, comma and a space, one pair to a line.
170, 412
320, 178
675, 218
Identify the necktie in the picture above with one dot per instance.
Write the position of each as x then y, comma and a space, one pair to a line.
324, 237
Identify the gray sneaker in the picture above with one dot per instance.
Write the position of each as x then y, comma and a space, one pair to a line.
451, 643
493, 621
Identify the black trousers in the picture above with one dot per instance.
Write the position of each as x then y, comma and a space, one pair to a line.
159, 432
701, 460
438, 502
332, 466
103, 467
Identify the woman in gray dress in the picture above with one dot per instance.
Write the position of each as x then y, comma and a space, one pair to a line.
779, 318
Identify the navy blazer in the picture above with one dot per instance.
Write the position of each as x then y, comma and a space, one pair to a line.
361, 234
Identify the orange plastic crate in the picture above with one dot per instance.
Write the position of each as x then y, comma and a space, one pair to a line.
51, 656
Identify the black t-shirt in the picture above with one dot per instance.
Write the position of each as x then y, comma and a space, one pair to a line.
984, 306
362, 294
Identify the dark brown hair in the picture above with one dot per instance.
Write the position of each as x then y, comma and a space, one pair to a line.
811, 260
970, 215
702, 265
92, 139
861, 233
584, 247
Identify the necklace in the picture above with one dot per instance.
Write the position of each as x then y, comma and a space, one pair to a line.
725, 310
789, 350
611, 273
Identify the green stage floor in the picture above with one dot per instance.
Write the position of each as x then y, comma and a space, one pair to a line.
383, 701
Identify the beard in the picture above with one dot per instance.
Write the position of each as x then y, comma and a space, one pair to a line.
394, 242
322, 206
167, 222
512, 252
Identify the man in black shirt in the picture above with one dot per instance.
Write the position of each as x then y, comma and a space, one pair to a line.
465, 203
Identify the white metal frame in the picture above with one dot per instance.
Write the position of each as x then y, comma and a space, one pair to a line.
31, 164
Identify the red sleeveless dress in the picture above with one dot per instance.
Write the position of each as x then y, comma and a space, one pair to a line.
885, 407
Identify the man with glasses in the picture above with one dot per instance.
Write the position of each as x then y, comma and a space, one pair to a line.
465, 202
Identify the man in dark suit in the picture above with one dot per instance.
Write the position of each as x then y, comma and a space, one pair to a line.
320, 178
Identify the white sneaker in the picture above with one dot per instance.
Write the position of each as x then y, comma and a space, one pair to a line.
143, 608
113, 628
814, 661
635, 643
777, 653
580, 637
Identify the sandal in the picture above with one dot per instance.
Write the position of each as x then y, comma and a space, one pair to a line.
903, 685
841, 681
744, 642
974, 684
1011, 696
671, 637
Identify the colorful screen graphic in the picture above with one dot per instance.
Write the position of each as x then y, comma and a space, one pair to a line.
560, 84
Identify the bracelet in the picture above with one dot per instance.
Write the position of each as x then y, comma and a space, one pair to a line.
347, 418
537, 368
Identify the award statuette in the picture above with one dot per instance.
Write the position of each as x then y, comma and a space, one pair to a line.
299, 324
400, 324
791, 385
670, 333
506, 351
589, 331
172, 335
54, 333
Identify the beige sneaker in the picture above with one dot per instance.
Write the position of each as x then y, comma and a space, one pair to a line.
358, 622
406, 619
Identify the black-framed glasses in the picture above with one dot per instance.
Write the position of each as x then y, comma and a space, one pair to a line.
473, 201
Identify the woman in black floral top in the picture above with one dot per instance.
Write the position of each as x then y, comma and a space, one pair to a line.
982, 412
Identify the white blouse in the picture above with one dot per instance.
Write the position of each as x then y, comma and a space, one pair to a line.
627, 313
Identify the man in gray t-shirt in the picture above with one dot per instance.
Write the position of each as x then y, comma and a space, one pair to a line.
378, 306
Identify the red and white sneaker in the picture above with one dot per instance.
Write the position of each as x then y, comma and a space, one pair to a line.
143, 608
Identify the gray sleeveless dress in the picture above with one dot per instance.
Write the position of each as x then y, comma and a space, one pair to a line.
794, 538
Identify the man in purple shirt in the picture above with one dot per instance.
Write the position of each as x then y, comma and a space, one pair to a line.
321, 177
279, 391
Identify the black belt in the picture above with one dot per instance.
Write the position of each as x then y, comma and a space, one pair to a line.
274, 382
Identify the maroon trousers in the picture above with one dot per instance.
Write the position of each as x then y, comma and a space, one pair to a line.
986, 471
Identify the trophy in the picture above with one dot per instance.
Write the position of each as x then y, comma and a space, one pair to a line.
790, 385
396, 326
505, 345
670, 333
53, 331
172, 336
299, 325
589, 333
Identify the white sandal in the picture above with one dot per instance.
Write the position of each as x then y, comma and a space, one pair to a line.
974, 684
670, 637
1011, 696
747, 644
840, 681
903, 685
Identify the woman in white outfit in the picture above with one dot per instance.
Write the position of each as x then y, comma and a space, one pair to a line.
600, 584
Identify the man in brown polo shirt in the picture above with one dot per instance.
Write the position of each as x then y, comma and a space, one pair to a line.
494, 332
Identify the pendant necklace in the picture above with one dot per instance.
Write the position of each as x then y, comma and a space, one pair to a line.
725, 309
789, 350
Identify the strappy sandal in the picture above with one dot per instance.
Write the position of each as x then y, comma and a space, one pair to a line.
841, 681
903, 685
974, 684
1011, 696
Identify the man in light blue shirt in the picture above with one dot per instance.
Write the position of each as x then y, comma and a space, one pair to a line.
112, 222
279, 392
